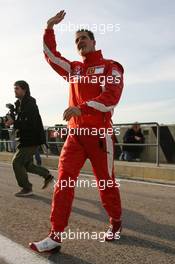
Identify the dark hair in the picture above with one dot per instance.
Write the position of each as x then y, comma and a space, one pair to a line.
90, 33
24, 85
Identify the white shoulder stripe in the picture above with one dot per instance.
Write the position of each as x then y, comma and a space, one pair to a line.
99, 106
63, 64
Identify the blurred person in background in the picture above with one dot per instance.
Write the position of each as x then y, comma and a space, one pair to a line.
30, 134
133, 135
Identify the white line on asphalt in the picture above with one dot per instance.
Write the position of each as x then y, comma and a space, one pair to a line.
13, 253
124, 180
136, 181
130, 181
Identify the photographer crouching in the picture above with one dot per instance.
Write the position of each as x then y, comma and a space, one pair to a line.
30, 134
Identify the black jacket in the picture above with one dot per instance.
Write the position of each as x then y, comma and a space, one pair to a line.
28, 123
129, 137
4, 134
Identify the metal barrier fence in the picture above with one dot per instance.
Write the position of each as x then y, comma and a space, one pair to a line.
157, 144
148, 124
7, 140
52, 133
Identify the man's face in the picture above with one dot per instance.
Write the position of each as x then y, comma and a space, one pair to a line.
84, 43
136, 127
19, 92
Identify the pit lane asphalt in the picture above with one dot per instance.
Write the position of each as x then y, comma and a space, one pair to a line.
148, 234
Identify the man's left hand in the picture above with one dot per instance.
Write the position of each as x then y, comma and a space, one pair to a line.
70, 112
137, 138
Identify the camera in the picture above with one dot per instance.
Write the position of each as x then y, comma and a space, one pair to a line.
11, 113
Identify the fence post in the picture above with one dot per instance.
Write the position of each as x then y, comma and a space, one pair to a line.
158, 145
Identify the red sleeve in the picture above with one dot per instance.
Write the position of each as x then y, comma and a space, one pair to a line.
110, 97
61, 65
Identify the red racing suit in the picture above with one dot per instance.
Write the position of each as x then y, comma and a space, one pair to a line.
95, 87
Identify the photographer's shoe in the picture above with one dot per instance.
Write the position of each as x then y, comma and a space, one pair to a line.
24, 193
49, 244
47, 180
114, 230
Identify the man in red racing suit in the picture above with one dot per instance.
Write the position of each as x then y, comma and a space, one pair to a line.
95, 89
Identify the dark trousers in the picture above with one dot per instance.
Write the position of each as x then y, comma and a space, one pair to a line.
23, 162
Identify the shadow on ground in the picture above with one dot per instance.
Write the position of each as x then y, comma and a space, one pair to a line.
131, 220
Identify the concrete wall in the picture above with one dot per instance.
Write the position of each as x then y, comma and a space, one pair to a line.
131, 170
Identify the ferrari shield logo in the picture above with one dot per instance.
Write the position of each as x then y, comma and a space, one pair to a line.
90, 70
